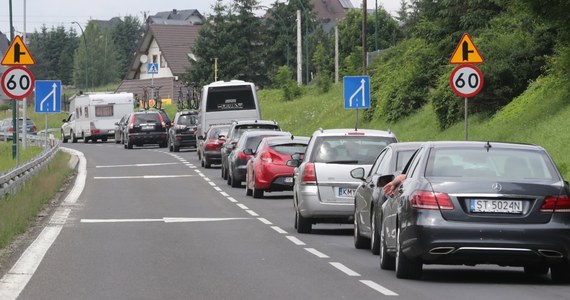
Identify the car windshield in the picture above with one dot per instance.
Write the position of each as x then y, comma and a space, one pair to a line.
187, 120
504, 164
356, 149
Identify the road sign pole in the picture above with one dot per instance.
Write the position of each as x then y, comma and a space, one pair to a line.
466, 129
46, 130
356, 126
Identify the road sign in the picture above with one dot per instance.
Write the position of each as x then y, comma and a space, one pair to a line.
152, 68
466, 80
17, 82
356, 92
18, 54
48, 96
466, 52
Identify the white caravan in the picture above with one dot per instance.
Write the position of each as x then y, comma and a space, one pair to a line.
93, 116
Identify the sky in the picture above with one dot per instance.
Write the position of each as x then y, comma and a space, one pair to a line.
64, 12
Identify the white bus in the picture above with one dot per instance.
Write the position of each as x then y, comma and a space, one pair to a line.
225, 101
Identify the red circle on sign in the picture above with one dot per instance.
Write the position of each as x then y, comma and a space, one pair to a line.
17, 82
467, 86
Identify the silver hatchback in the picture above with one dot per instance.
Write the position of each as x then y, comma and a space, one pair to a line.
323, 190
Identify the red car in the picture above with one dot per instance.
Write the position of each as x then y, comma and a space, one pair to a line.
210, 147
267, 170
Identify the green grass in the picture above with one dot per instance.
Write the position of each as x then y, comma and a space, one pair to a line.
18, 211
7, 163
539, 116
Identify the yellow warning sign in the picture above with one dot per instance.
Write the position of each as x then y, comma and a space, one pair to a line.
466, 52
18, 54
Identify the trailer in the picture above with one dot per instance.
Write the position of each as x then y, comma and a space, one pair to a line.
93, 116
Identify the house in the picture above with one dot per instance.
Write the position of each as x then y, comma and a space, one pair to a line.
167, 41
330, 11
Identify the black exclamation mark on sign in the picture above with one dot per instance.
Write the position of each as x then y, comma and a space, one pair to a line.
17, 52
466, 51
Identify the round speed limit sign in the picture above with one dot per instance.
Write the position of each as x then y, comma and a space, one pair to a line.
17, 82
466, 80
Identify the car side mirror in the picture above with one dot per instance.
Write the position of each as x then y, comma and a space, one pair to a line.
358, 173
64, 120
248, 151
385, 179
201, 137
296, 156
293, 163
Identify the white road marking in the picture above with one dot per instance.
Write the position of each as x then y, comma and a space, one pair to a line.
278, 229
317, 253
60, 216
207, 179
137, 165
165, 220
252, 213
295, 240
265, 221
217, 188
232, 199
224, 194
344, 269
120, 220
242, 206
79, 180
142, 177
378, 288
212, 183
188, 220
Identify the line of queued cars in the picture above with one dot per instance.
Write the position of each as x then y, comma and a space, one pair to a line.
461, 203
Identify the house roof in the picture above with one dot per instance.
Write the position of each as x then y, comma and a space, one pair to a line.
107, 25
331, 10
177, 17
174, 41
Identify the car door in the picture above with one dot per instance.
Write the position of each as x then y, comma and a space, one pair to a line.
364, 193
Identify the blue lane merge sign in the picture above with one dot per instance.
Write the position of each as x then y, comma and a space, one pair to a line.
356, 92
152, 68
48, 96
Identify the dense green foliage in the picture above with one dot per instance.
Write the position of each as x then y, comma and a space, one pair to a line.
53, 53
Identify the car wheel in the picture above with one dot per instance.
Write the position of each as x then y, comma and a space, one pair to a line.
406, 268
170, 145
223, 172
73, 137
248, 191
228, 177
560, 273
207, 163
387, 262
374, 236
63, 138
234, 182
304, 225
257, 193
360, 242
176, 148
129, 145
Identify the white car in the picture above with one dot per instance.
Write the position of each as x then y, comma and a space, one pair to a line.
323, 188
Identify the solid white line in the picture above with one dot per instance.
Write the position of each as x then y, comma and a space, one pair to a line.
225, 194
142, 177
120, 220
79, 184
252, 213
60, 216
165, 220
317, 253
264, 221
378, 288
279, 230
242, 206
137, 165
344, 269
232, 199
187, 220
295, 240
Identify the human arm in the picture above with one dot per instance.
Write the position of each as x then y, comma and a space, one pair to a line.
391, 186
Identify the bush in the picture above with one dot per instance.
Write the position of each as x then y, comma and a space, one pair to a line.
284, 79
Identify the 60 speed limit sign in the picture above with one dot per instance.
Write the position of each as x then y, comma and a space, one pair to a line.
466, 80
17, 82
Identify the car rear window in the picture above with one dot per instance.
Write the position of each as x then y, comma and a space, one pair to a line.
504, 164
216, 132
290, 148
356, 149
228, 98
187, 120
238, 131
146, 118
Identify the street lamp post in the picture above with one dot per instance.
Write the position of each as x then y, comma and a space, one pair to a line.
85, 42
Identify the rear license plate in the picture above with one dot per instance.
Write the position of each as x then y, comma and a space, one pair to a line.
111, 131
496, 206
344, 192
288, 179
147, 127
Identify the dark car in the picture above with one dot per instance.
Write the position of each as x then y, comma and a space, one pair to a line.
145, 127
237, 128
182, 133
478, 203
6, 126
237, 160
120, 129
268, 171
210, 147
369, 196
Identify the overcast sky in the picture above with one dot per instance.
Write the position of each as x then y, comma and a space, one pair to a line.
63, 12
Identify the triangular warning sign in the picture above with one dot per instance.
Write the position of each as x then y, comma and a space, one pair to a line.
466, 52
18, 54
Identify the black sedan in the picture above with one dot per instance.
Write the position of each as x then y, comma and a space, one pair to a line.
369, 195
469, 203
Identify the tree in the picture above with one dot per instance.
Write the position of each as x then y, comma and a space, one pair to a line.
126, 36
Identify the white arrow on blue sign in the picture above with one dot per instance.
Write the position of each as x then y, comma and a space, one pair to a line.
152, 68
48, 96
356, 92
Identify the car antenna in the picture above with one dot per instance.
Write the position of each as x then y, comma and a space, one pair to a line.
488, 146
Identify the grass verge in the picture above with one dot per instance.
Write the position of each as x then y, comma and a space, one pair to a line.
7, 163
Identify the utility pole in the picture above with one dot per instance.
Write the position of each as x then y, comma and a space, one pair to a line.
299, 50
336, 55
364, 42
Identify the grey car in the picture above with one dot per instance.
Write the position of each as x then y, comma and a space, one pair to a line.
370, 196
323, 190
478, 203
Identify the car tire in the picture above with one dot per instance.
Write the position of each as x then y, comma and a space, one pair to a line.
560, 273
387, 262
248, 191
103, 139
129, 145
406, 268
73, 137
176, 148
360, 242
223, 172
257, 193
304, 225
117, 141
63, 138
374, 235
207, 163
233, 182
170, 145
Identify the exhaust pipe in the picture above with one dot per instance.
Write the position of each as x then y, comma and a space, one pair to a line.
550, 253
441, 250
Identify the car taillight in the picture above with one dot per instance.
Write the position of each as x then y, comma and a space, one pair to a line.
242, 156
95, 131
266, 157
162, 121
431, 200
209, 145
131, 123
11, 129
34, 128
554, 204
309, 175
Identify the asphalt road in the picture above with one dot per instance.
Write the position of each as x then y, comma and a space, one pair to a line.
150, 224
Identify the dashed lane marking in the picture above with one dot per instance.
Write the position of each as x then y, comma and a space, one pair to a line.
378, 288
344, 269
317, 253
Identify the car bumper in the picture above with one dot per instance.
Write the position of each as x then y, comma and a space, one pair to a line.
213, 156
274, 178
437, 241
310, 205
181, 140
148, 138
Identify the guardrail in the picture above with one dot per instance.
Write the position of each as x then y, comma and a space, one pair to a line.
11, 180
